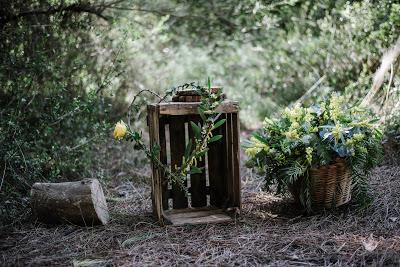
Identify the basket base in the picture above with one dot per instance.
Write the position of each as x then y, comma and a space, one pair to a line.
196, 216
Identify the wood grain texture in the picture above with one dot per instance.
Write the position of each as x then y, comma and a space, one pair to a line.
80, 202
156, 186
190, 108
177, 141
236, 190
163, 158
197, 216
229, 168
216, 167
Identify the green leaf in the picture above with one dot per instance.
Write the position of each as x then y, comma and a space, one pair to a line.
196, 130
202, 153
209, 83
215, 138
201, 113
188, 149
195, 170
219, 123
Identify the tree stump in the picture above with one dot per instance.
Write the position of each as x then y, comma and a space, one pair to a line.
81, 202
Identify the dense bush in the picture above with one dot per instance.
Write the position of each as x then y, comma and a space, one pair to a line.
50, 117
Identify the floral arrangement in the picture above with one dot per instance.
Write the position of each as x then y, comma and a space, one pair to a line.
210, 99
286, 149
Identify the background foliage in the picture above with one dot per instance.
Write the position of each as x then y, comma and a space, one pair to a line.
69, 68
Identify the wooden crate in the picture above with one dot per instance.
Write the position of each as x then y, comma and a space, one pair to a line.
214, 194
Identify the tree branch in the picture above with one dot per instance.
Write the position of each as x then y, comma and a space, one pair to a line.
74, 8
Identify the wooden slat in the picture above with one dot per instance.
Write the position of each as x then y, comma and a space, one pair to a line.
216, 167
163, 158
197, 181
229, 161
236, 161
156, 188
177, 143
190, 108
197, 217
190, 92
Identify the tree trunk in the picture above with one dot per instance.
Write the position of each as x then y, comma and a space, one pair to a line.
81, 202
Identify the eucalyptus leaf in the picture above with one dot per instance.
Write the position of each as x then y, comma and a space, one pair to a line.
215, 138
188, 149
219, 123
196, 170
196, 130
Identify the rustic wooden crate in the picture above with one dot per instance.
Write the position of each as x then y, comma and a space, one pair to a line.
215, 193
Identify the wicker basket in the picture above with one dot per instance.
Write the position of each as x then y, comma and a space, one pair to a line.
330, 185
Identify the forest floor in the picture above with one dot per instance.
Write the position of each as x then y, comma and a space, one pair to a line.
270, 231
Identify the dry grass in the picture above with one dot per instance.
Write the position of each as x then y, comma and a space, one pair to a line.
270, 231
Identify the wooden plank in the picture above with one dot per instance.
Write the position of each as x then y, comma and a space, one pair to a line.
197, 181
216, 168
236, 161
198, 217
190, 108
156, 188
177, 143
189, 210
163, 158
192, 92
229, 161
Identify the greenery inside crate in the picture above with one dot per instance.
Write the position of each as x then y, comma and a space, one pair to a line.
285, 150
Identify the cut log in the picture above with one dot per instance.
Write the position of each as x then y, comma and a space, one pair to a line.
81, 202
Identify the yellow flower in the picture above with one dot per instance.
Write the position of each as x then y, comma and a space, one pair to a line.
294, 114
295, 125
120, 130
336, 105
358, 137
308, 117
336, 131
252, 151
292, 134
309, 151
350, 142
257, 147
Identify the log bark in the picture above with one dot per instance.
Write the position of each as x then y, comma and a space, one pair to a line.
81, 202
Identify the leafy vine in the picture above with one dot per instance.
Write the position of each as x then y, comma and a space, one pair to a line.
196, 148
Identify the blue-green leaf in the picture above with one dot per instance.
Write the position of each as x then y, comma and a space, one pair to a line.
215, 138
196, 130
219, 123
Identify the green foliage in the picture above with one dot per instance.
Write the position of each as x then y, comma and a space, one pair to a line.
305, 138
51, 111
274, 51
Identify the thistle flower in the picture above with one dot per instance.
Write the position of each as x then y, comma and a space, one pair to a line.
120, 130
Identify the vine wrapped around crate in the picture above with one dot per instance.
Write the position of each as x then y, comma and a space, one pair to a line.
196, 126
213, 193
